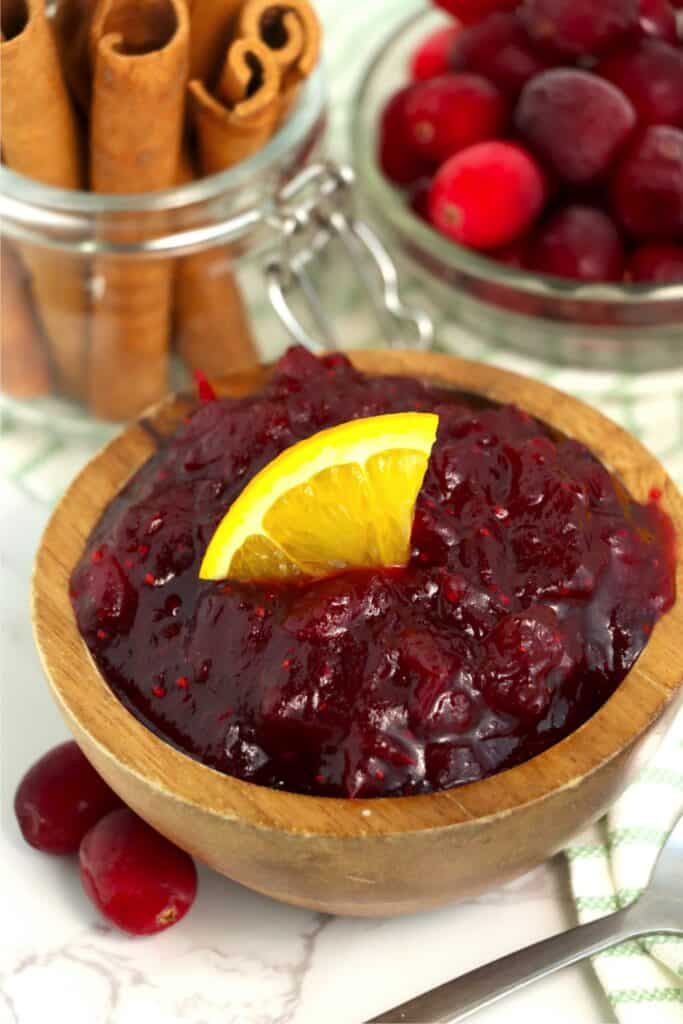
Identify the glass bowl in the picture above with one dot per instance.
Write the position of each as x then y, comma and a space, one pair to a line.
602, 326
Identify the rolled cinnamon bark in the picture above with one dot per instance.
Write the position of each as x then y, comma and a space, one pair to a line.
40, 140
292, 33
239, 116
212, 326
24, 371
140, 54
211, 24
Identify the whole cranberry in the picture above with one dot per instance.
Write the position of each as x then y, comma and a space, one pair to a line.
448, 113
658, 18
396, 156
577, 27
647, 189
60, 798
487, 196
580, 243
574, 121
662, 264
433, 55
515, 254
469, 11
500, 50
651, 75
139, 880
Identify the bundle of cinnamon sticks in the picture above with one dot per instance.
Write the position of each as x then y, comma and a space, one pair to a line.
131, 96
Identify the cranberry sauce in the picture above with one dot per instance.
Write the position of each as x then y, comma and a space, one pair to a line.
533, 585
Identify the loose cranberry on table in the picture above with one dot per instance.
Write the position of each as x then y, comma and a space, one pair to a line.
574, 28
580, 243
448, 113
499, 49
139, 880
487, 195
574, 121
658, 18
650, 73
469, 11
60, 798
647, 190
396, 156
433, 55
661, 264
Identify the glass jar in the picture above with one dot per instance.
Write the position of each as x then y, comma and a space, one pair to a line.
114, 284
615, 326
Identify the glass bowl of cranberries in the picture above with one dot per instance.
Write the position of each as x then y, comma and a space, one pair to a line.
524, 159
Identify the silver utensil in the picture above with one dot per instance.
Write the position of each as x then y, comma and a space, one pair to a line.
658, 911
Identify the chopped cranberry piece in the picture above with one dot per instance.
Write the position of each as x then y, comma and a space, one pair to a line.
433, 55
487, 196
647, 191
577, 27
658, 19
60, 798
580, 243
469, 11
397, 158
575, 121
651, 75
662, 264
139, 880
446, 114
500, 50
521, 663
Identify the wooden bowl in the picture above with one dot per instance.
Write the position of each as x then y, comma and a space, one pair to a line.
366, 857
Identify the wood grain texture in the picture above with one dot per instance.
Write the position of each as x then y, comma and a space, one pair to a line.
366, 857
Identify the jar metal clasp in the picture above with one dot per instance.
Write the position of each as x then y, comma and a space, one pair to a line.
313, 210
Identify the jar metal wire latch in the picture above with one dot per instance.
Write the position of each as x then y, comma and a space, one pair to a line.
313, 211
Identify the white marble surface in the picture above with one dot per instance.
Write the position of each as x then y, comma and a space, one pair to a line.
238, 958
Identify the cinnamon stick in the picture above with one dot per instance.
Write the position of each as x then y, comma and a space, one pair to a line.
211, 23
40, 140
239, 116
24, 371
139, 53
292, 33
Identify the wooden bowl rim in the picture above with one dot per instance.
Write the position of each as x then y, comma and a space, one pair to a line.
640, 699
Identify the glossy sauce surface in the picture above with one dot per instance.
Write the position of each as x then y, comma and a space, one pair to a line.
533, 585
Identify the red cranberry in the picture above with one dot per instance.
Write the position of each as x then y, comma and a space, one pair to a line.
576, 27
662, 264
433, 55
575, 121
522, 655
658, 18
487, 196
60, 798
470, 11
500, 50
651, 75
446, 114
580, 243
139, 880
513, 255
647, 191
396, 157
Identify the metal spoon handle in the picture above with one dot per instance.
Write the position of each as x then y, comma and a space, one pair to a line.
472, 991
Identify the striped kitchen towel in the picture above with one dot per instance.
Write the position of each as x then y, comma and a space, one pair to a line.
609, 865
